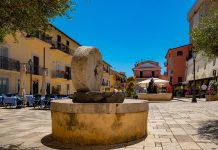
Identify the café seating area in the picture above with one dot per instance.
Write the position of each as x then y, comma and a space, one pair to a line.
35, 101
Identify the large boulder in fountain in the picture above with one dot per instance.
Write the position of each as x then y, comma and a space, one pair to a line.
87, 69
98, 97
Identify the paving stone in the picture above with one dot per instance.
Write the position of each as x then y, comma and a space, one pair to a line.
171, 146
171, 126
189, 145
183, 138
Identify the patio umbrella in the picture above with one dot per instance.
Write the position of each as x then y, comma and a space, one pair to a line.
157, 81
43, 89
22, 90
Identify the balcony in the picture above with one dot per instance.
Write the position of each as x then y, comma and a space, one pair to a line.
106, 70
144, 77
60, 46
41, 36
105, 83
61, 74
9, 64
36, 70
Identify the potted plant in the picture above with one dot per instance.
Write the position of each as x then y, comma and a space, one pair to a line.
212, 91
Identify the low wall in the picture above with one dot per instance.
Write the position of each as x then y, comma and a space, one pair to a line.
211, 97
188, 96
155, 97
99, 123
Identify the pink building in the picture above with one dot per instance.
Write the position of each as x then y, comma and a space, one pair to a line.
146, 69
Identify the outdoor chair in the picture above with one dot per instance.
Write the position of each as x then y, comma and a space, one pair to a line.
37, 101
20, 102
47, 100
62, 97
200, 95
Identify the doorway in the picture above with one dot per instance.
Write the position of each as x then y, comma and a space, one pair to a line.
35, 87
67, 73
48, 91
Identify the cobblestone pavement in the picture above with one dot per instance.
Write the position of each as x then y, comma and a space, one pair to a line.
174, 125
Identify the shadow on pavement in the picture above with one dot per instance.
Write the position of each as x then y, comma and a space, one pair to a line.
51, 143
15, 147
209, 130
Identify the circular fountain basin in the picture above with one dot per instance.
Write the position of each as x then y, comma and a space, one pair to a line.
98, 123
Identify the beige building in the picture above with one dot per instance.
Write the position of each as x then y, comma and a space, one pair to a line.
105, 87
117, 81
52, 50
204, 67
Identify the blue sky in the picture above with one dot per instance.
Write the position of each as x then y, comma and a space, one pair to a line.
126, 31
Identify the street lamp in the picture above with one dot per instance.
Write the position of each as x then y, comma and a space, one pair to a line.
194, 100
30, 63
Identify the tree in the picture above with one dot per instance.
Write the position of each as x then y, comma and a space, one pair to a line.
130, 86
205, 35
30, 16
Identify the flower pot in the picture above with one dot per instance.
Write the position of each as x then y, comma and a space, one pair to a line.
211, 97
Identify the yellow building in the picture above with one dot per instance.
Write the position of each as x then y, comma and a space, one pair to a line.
117, 81
52, 50
105, 87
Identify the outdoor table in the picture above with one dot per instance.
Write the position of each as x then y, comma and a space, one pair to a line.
30, 100
10, 100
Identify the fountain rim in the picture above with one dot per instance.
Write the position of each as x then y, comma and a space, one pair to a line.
128, 106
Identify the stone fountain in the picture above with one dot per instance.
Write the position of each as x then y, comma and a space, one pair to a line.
87, 71
94, 117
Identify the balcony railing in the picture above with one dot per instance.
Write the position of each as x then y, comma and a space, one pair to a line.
35, 70
58, 74
105, 83
9, 64
60, 46
106, 70
55, 44
61, 74
156, 76
42, 36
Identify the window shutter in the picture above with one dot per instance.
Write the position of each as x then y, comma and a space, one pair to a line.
5, 52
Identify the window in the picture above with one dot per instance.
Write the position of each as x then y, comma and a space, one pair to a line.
179, 53
153, 74
58, 66
58, 38
214, 62
141, 74
67, 43
4, 85
198, 69
179, 79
